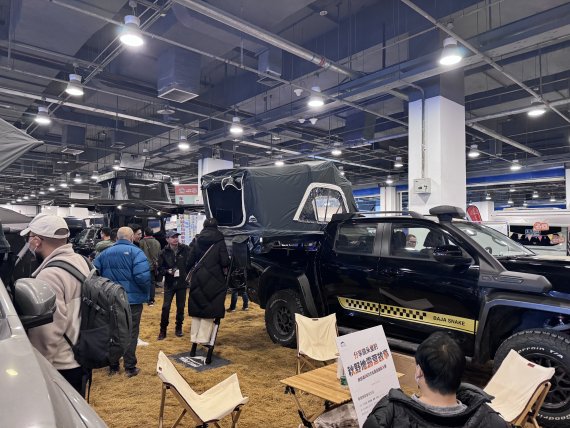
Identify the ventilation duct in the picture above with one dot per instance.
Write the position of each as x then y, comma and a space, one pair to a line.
73, 136
178, 75
270, 62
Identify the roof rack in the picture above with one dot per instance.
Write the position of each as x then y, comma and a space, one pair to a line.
348, 216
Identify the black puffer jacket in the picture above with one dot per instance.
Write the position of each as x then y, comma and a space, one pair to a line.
400, 411
170, 260
208, 286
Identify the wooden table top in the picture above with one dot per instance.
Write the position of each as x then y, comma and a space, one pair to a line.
321, 382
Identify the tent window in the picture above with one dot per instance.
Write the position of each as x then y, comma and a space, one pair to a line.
225, 203
321, 204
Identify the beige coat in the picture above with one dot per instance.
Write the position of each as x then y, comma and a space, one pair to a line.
48, 339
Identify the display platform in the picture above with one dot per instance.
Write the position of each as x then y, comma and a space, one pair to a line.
198, 362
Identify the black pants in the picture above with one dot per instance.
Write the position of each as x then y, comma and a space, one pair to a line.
153, 278
130, 357
180, 303
75, 379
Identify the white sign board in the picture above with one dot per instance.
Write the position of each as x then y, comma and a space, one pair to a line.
369, 368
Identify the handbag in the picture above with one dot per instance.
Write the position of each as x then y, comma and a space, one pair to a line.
197, 265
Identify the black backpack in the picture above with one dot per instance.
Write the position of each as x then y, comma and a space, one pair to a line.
105, 330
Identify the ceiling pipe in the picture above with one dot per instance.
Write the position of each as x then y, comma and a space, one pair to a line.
504, 139
265, 36
511, 112
484, 57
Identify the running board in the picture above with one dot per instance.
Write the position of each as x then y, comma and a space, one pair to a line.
399, 344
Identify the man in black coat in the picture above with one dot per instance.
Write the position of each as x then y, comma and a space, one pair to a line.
173, 263
443, 400
208, 285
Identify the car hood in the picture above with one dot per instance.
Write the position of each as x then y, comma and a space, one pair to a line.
555, 268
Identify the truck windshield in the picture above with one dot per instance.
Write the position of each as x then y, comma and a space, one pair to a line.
494, 242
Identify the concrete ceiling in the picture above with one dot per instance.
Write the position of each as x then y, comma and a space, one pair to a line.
382, 46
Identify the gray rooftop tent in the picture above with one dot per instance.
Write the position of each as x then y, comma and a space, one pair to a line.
273, 201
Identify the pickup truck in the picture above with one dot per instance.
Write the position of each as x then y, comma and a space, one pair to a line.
416, 275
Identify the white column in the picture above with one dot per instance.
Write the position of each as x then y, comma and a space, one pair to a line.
388, 199
207, 165
444, 163
567, 171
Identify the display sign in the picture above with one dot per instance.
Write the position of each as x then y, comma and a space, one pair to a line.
369, 368
473, 213
540, 226
186, 194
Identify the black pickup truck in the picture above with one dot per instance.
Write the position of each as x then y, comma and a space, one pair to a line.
416, 275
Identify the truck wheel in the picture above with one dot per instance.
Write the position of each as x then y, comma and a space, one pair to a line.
280, 316
549, 349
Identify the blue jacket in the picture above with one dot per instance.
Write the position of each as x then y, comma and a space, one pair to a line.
126, 264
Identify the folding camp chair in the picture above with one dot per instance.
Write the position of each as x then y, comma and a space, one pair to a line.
221, 400
316, 340
519, 388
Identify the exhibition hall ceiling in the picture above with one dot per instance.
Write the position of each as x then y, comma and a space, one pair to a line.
205, 70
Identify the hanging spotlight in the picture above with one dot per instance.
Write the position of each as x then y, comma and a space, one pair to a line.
313, 120
119, 207
398, 163
72, 205
473, 152
341, 169
389, 180
515, 165
536, 109
42, 192
26, 197
510, 201
316, 101
298, 91
131, 32
176, 182
183, 143
77, 179
63, 184
32, 195
51, 188
279, 161
74, 87
525, 204
95, 175
301, 120
451, 54
236, 128
336, 151
117, 165
488, 197
512, 190
159, 213
552, 199
42, 117
19, 200
535, 195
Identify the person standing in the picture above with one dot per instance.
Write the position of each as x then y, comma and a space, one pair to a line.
137, 233
105, 242
126, 264
174, 265
208, 284
151, 248
47, 238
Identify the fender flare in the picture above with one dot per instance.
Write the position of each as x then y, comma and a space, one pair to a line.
542, 303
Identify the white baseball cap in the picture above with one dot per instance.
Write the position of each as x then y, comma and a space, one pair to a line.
47, 225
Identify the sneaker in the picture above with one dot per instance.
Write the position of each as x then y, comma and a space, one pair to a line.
113, 371
245, 309
151, 303
161, 335
178, 332
231, 310
132, 372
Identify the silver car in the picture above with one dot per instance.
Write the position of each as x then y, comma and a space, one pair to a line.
32, 392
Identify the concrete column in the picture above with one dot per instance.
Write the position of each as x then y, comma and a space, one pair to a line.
567, 176
207, 165
388, 199
440, 157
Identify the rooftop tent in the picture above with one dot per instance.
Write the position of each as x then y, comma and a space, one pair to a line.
273, 200
13, 144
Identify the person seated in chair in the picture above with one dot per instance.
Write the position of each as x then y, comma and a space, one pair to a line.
443, 401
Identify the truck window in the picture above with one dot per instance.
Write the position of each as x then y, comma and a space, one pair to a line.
417, 242
356, 239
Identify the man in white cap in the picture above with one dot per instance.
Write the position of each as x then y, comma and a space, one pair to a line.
47, 237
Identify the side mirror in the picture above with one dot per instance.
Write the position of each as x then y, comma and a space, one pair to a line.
450, 255
34, 301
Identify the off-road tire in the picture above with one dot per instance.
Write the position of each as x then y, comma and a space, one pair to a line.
280, 316
550, 349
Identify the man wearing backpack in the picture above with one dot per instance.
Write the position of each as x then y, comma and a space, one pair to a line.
47, 237
126, 264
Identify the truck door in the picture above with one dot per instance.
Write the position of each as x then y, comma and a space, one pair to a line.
349, 275
421, 292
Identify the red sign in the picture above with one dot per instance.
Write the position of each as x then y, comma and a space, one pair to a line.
186, 190
473, 213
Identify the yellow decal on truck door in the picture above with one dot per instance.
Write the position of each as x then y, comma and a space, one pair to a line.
412, 315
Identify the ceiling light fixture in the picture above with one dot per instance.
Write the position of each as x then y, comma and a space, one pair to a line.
316, 101
77, 179
488, 197
279, 161
341, 169
183, 143
176, 182
313, 120
389, 180
473, 152
512, 190
74, 87
451, 53
298, 91
51, 188
301, 120
63, 184
336, 151
131, 32
398, 163
535, 195
42, 117
536, 109
42, 192
510, 201
117, 165
95, 175
515, 165
552, 199
236, 127
119, 207
19, 200
525, 204
26, 197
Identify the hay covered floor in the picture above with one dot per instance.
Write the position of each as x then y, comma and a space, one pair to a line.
242, 339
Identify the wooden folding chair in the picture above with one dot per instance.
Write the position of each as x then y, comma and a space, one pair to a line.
316, 340
519, 388
210, 407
